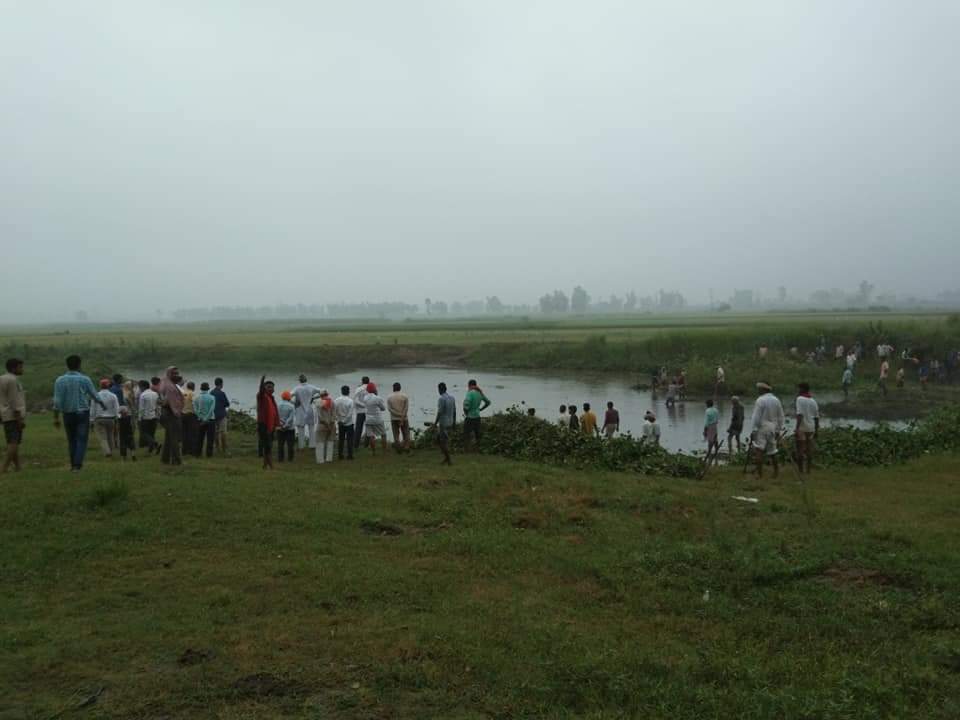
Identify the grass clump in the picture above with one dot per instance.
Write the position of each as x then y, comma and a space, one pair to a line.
108, 493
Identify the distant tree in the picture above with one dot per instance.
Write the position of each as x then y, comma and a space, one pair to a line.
426, 304
579, 300
630, 304
81, 316
494, 306
439, 307
616, 304
724, 307
555, 302
864, 293
782, 294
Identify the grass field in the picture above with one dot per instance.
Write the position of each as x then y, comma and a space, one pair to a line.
461, 332
394, 588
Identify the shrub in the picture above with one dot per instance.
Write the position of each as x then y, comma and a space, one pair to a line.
107, 494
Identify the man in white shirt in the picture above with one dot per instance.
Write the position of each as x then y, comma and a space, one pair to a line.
148, 410
721, 381
563, 420
304, 417
360, 408
373, 425
103, 416
808, 426
343, 411
765, 428
651, 429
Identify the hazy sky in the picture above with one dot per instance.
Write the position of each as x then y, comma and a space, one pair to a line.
174, 154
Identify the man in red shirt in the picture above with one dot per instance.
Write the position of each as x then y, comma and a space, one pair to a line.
268, 419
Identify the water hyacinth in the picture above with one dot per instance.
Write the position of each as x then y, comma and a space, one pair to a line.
514, 434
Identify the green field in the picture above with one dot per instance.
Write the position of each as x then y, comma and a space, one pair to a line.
394, 588
461, 332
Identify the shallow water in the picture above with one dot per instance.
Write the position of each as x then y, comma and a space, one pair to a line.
681, 426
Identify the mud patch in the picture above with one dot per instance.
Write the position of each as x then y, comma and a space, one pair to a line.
378, 527
858, 577
194, 657
264, 685
529, 522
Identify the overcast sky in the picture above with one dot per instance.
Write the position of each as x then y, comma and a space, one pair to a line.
175, 154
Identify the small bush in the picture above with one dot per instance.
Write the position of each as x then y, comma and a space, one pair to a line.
107, 494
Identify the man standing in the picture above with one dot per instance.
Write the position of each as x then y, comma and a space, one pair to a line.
563, 420
373, 427
268, 420
286, 432
191, 426
13, 412
125, 435
326, 419
220, 414
711, 430
399, 406
735, 430
343, 411
808, 426
148, 410
445, 421
884, 374
116, 387
846, 381
588, 421
72, 393
205, 406
305, 418
104, 416
474, 403
360, 406
171, 416
611, 421
765, 428
721, 381
651, 429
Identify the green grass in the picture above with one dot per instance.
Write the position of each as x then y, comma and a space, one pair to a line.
392, 587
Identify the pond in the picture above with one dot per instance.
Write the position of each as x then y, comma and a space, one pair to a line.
681, 426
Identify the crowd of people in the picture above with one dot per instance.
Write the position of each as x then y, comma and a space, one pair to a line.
125, 416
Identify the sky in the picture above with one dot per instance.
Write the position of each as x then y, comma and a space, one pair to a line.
182, 154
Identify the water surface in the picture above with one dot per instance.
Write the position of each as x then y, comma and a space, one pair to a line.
681, 426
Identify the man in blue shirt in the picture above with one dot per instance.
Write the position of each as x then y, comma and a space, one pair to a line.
205, 406
72, 394
116, 388
220, 414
